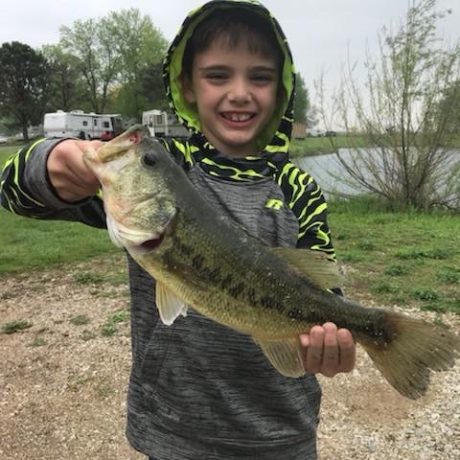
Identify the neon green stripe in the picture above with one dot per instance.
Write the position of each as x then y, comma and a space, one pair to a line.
303, 185
16, 169
285, 171
38, 203
16, 162
292, 178
16, 183
321, 208
9, 204
29, 150
8, 162
237, 173
184, 150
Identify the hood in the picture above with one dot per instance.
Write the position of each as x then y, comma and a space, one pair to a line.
276, 136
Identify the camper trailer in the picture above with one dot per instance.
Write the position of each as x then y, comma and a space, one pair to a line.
82, 125
163, 124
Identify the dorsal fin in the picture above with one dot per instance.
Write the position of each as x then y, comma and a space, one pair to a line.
315, 265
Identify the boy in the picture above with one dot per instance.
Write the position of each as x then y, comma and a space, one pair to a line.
199, 390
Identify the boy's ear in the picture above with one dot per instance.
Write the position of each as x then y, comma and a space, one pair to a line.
187, 90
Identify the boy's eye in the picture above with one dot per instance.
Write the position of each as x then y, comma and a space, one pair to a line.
216, 76
262, 78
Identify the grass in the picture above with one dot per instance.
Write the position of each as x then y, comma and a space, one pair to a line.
79, 320
5, 152
15, 326
113, 275
29, 244
409, 259
109, 328
38, 342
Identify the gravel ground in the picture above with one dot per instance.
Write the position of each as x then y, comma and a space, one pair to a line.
63, 384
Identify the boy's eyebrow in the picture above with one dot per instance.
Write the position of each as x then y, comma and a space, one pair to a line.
258, 68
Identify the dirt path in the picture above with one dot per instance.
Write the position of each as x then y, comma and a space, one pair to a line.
63, 383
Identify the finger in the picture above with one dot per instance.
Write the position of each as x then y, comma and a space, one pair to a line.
315, 350
79, 166
81, 174
304, 340
330, 361
347, 349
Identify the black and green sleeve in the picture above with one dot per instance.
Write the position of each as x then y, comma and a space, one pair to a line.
306, 200
25, 189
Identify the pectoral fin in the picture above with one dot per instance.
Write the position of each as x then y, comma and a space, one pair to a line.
315, 265
169, 305
284, 355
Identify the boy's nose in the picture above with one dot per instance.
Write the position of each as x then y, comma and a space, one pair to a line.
239, 92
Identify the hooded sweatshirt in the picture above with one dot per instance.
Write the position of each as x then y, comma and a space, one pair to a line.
199, 390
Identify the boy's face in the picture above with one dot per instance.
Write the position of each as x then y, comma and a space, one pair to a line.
235, 94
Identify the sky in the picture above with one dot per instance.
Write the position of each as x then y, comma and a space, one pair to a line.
323, 34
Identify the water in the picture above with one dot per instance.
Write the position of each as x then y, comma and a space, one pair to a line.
329, 173
335, 180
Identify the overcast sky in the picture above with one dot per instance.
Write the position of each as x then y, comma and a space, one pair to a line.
320, 32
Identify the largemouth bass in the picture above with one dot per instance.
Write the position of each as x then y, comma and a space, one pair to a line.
204, 260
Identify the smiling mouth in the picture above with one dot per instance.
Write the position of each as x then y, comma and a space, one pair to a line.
238, 117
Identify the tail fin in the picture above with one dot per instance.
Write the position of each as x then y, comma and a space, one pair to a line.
414, 350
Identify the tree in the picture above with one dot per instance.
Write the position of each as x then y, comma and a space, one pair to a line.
301, 102
66, 84
153, 88
113, 54
98, 61
24, 85
140, 47
400, 116
450, 97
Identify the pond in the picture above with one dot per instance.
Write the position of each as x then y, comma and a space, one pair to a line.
334, 179
329, 173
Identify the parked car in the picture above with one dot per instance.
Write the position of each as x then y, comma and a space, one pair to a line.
3, 140
330, 134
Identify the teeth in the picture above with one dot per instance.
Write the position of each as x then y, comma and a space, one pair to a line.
237, 116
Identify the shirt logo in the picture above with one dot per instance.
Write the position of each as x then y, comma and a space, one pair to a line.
273, 203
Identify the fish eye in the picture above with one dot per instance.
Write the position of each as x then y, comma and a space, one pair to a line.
148, 159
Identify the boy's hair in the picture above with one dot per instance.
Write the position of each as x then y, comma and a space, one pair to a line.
233, 26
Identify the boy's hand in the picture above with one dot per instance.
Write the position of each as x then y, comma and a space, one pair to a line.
68, 173
328, 350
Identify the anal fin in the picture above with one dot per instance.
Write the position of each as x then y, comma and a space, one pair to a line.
284, 355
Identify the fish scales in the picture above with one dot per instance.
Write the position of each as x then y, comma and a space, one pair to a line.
203, 280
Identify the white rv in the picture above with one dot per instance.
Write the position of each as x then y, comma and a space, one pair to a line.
163, 124
82, 125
